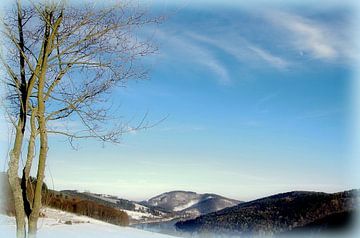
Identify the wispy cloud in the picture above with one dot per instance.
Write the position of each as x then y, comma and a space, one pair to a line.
202, 49
242, 49
183, 49
309, 36
220, 48
273, 60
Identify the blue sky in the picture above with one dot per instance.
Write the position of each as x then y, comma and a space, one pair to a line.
257, 101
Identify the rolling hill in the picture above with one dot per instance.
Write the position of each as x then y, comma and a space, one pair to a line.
275, 214
186, 203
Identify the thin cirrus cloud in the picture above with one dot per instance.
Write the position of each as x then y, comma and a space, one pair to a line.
200, 49
273, 60
180, 48
303, 35
312, 37
243, 50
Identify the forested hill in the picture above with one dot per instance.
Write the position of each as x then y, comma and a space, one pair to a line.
276, 214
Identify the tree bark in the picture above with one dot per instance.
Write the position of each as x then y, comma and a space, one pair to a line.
26, 184
34, 216
15, 182
13, 170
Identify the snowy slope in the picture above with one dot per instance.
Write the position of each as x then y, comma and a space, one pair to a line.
139, 214
53, 225
188, 203
174, 200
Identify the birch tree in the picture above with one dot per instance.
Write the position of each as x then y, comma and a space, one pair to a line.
62, 63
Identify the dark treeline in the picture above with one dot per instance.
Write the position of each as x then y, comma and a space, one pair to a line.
85, 207
64, 202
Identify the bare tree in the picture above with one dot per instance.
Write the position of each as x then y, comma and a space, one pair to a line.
62, 64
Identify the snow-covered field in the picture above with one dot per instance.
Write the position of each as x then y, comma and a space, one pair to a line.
53, 225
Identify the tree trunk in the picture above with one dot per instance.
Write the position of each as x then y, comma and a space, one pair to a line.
32, 226
13, 170
34, 216
15, 182
26, 184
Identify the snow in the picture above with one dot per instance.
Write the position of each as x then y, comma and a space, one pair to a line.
53, 225
140, 207
185, 206
137, 215
140, 212
105, 197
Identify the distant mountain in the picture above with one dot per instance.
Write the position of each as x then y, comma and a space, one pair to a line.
277, 214
189, 203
